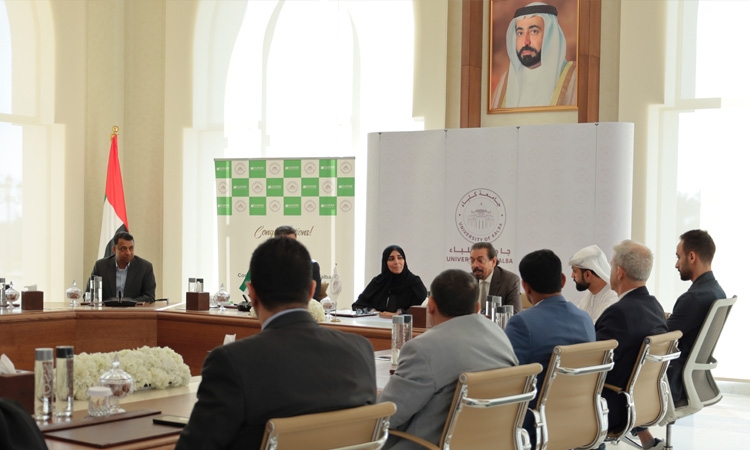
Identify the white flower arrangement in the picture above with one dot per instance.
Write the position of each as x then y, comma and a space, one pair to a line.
152, 367
314, 307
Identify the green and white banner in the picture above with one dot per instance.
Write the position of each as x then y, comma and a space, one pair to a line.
315, 196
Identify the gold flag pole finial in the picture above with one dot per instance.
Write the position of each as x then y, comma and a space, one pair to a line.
115, 129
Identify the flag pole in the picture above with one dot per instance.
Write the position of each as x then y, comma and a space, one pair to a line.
114, 214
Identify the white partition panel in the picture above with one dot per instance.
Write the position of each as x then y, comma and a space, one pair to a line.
409, 182
435, 193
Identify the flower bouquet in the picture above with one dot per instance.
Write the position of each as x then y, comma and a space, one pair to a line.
151, 367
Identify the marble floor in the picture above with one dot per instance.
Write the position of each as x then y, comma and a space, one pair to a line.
725, 425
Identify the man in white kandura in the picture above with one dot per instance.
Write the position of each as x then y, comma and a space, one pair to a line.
591, 274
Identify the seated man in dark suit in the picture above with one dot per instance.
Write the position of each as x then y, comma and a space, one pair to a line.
636, 315
695, 252
552, 321
494, 280
287, 231
292, 367
125, 275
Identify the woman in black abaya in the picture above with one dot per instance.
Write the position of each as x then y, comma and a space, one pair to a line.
396, 289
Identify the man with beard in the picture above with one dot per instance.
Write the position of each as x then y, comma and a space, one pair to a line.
695, 251
591, 274
125, 275
493, 280
539, 74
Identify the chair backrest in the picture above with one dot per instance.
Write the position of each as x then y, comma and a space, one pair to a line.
700, 386
647, 387
365, 427
570, 406
489, 407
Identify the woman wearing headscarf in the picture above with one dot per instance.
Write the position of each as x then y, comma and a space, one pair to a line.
396, 288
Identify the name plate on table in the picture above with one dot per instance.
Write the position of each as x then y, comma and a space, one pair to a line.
353, 313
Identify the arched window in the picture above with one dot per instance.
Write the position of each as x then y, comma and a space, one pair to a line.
26, 70
11, 168
303, 79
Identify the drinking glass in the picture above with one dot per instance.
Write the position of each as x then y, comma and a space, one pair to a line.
328, 306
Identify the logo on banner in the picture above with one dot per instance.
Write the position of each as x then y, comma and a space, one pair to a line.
480, 215
222, 187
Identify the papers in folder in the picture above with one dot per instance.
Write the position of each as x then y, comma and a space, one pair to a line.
353, 313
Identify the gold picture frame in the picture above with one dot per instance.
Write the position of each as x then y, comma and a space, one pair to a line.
514, 84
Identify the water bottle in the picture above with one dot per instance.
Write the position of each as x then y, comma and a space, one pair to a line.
397, 338
493, 303
44, 376
504, 315
64, 376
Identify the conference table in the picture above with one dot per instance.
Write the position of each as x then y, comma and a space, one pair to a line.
135, 427
192, 334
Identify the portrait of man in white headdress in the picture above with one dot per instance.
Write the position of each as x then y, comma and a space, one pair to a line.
540, 68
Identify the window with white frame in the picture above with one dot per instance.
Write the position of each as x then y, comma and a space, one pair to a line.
704, 159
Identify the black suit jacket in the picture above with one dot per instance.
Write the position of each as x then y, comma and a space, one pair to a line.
140, 284
688, 315
293, 367
637, 315
508, 286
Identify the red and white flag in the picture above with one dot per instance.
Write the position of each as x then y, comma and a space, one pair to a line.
114, 215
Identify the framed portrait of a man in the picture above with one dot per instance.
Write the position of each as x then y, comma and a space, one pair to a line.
533, 55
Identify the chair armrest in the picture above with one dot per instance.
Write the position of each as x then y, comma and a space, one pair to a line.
415, 439
663, 358
612, 387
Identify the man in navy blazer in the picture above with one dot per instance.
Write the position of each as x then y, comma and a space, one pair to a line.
292, 367
552, 321
636, 315
125, 273
695, 252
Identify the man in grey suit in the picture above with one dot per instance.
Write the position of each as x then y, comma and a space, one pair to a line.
124, 274
292, 367
429, 365
494, 280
